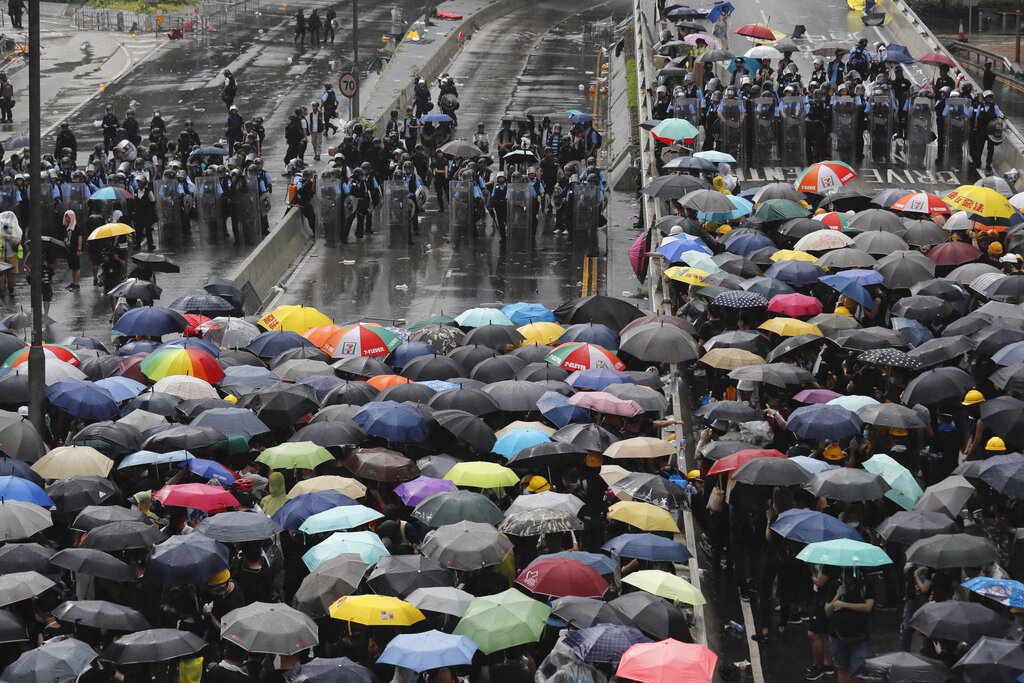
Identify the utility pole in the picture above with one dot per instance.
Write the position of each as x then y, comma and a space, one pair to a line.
355, 57
36, 363
1016, 52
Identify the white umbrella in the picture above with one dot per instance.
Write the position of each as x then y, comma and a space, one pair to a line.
763, 52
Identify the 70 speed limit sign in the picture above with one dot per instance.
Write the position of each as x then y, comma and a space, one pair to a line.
347, 84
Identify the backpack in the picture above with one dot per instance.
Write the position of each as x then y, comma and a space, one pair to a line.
596, 138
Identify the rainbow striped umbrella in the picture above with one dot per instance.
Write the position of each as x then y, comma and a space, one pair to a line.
61, 353
361, 339
191, 361
582, 356
823, 176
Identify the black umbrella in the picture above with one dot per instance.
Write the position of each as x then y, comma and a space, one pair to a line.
14, 387
331, 434
93, 516
902, 667
891, 357
655, 616
749, 340
322, 670
991, 660
77, 493
587, 612
467, 427
351, 392
299, 353
673, 186
615, 313
857, 340
991, 339
100, 614
113, 438
923, 308
498, 337
953, 550
399, 575
19, 439
516, 396
792, 344
154, 402
734, 411
11, 630
469, 355
847, 485
540, 371
23, 557
654, 489
451, 507
133, 288
552, 453
285, 406
362, 366
1009, 378
12, 467
469, 400
1004, 415
116, 536
962, 622
891, 415
434, 366
800, 227
966, 326
587, 436
409, 392
158, 263
436, 466
942, 349
183, 438
935, 386
497, 369
532, 353
771, 472
153, 645
238, 527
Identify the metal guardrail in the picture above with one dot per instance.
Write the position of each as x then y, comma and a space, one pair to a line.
207, 15
978, 56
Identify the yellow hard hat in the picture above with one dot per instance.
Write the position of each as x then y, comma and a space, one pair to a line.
724, 229
973, 396
995, 248
220, 577
898, 431
594, 460
995, 444
833, 452
231, 398
843, 310
538, 484
818, 212
693, 474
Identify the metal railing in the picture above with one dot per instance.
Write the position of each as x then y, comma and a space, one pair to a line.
977, 56
206, 15
118, 21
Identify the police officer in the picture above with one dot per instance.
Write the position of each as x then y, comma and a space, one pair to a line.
413, 184
109, 124
188, 139
817, 125
662, 104
233, 128
360, 191
6, 100
293, 137
329, 100
304, 195
66, 139
499, 203
984, 114
410, 129
439, 166
860, 58
230, 88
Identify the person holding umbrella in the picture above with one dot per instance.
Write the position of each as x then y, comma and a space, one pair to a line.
849, 614
10, 245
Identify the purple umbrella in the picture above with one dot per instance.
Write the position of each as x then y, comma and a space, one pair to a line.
419, 489
816, 396
641, 246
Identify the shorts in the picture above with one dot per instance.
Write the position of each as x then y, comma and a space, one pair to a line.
74, 261
13, 260
848, 656
47, 291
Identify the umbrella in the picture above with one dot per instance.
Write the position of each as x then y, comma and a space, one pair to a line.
77, 493
948, 496
963, 622
935, 386
337, 576
18, 489
536, 522
546, 501
501, 621
673, 186
93, 516
847, 485
901, 270
667, 661
665, 585
186, 559
153, 645
674, 131
604, 642
991, 660
329, 482
981, 201
844, 552
430, 650
239, 527
71, 461
271, 628
416, 491
466, 545
823, 422
809, 526
648, 547
902, 667
644, 516
150, 321
450, 507
375, 610
100, 614
952, 550
18, 586
562, 576
771, 472
402, 574
904, 490
481, 475
906, 527
196, 496
444, 600
23, 557
587, 612
366, 544
1004, 591
346, 517
82, 399
57, 659
824, 176
661, 342
654, 616
654, 489
301, 506
392, 421
460, 148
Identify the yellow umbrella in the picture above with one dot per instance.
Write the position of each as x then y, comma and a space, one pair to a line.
481, 475
520, 424
791, 255
983, 201
296, 319
329, 482
640, 447
730, 358
691, 276
643, 516
789, 327
665, 585
541, 333
73, 461
111, 230
375, 610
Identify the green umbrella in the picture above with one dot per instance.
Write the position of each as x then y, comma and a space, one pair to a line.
904, 491
842, 552
478, 317
780, 210
304, 455
675, 130
496, 622
435, 319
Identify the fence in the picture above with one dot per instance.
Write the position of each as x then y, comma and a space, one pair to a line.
977, 56
205, 16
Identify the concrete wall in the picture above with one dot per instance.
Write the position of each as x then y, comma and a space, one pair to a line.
290, 239
623, 173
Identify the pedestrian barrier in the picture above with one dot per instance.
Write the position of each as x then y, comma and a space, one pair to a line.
205, 16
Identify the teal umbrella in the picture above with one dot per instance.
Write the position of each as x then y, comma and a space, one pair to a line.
346, 517
478, 317
853, 403
366, 544
843, 552
904, 489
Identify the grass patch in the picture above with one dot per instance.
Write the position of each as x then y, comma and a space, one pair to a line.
631, 93
141, 6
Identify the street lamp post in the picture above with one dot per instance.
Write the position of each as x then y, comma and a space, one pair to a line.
355, 56
36, 364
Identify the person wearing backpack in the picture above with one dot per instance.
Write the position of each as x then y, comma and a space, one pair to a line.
592, 139
849, 615
229, 90
329, 104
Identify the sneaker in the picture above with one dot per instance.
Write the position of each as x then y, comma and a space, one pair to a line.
813, 674
794, 619
829, 670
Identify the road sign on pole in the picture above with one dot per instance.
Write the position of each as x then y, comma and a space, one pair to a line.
348, 85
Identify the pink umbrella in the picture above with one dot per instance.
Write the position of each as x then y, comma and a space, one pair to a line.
603, 402
936, 59
794, 305
641, 246
667, 661
816, 396
692, 39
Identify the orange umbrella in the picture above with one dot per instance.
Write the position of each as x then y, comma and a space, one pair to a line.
382, 382
321, 333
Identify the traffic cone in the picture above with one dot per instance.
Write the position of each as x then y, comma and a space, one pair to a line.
960, 33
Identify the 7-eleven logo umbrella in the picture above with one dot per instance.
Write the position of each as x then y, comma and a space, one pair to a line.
920, 202
581, 356
361, 339
823, 176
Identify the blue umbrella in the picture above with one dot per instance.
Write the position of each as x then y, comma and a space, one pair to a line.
438, 385
18, 141
809, 526
256, 377
591, 333
1010, 354
435, 117
648, 547
392, 421
674, 250
137, 346
717, 10
916, 332
863, 276
751, 65
344, 517
193, 343
1003, 591
210, 469
18, 468
269, 344
203, 303
811, 465
193, 558
581, 118
55, 660
16, 488
366, 544
522, 313
110, 193
406, 351
897, 54
150, 321
82, 399
153, 458
741, 207
598, 379
795, 272
823, 421
516, 440
210, 149
604, 642
121, 388
747, 242
691, 164
430, 650
766, 286
321, 384
602, 564
293, 513
850, 288
557, 408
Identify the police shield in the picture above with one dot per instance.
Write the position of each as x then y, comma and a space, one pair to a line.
75, 197
49, 205
517, 230
248, 209
765, 134
880, 128
209, 209
8, 198
844, 127
792, 116
330, 212
398, 212
461, 222
957, 127
919, 132
168, 212
688, 108
587, 214
732, 128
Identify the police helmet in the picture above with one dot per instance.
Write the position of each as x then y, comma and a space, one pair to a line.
408, 167
130, 112
818, 61
954, 93
307, 173
357, 172
730, 92
987, 94
366, 166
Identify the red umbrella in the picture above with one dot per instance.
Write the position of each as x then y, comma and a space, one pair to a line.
196, 496
741, 458
641, 246
755, 31
562, 576
667, 661
936, 59
953, 253
920, 202
194, 321
794, 305
129, 367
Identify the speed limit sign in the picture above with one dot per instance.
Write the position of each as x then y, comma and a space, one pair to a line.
347, 84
